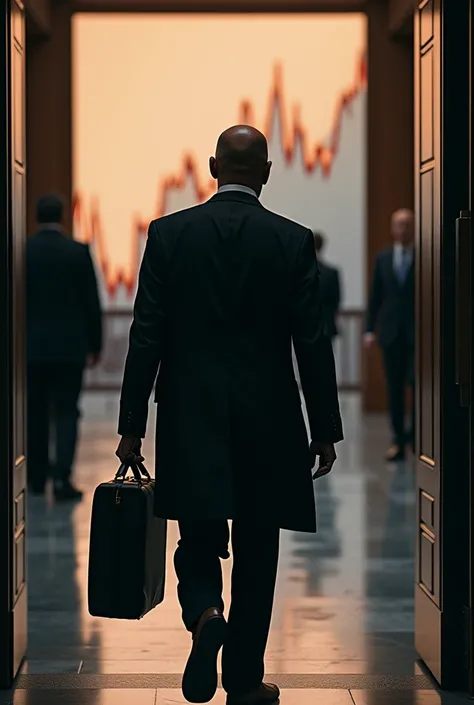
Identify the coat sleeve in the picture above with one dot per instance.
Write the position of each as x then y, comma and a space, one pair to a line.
334, 294
146, 340
337, 290
313, 349
375, 299
93, 309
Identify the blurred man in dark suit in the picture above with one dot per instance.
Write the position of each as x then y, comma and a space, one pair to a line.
223, 289
392, 311
330, 287
64, 332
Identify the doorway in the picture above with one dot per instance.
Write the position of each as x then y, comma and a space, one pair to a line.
442, 584
318, 146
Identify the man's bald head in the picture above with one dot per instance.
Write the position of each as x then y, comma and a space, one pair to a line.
241, 158
403, 226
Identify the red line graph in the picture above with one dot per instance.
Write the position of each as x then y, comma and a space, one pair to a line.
294, 140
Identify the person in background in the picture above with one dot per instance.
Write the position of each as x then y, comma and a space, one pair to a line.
223, 289
392, 311
330, 287
64, 332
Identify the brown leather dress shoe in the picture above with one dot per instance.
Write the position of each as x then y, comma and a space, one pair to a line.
265, 694
200, 675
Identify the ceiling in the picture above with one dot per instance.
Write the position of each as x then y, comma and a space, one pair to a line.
219, 5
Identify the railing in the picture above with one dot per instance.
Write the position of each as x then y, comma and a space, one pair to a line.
107, 377
348, 350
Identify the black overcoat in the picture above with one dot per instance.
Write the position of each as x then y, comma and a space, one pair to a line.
224, 288
63, 312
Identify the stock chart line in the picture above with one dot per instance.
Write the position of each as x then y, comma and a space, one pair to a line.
88, 225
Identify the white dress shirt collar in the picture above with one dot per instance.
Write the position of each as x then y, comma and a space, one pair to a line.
399, 250
237, 187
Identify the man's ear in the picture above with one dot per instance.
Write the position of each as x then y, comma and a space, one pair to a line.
213, 167
266, 173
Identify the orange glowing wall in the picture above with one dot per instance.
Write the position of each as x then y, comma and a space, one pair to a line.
303, 85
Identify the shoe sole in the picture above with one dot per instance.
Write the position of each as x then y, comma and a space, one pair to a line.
200, 675
262, 701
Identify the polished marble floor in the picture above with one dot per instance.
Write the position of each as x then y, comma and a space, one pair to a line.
342, 630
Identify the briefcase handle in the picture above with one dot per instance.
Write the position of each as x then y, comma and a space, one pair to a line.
139, 471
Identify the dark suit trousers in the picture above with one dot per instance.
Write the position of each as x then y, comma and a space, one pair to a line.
399, 360
198, 567
53, 414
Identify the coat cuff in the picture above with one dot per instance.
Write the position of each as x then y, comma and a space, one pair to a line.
132, 424
327, 431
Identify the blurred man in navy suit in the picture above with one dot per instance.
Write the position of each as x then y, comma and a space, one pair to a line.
330, 287
64, 332
392, 311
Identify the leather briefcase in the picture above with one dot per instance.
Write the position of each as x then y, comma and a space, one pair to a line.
127, 552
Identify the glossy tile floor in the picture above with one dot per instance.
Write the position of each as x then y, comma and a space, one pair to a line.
342, 631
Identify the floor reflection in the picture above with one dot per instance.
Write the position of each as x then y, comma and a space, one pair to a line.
344, 600
288, 697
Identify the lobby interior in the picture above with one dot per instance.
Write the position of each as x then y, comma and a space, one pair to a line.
345, 621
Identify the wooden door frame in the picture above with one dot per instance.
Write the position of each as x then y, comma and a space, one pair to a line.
442, 580
219, 6
13, 590
390, 155
471, 421
5, 420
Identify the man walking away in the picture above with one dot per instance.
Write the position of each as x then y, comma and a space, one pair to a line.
223, 289
330, 287
392, 311
64, 331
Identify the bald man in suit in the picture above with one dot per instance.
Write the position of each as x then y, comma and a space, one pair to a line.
391, 313
224, 289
